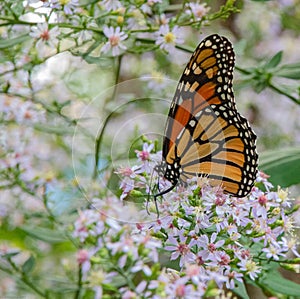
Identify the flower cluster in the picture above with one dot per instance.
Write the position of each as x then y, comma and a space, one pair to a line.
129, 21
212, 238
115, 249
21, 112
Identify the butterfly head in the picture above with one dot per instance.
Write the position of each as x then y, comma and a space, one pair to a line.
171, 172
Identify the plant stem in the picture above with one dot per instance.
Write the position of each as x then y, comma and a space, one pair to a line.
278, 90
79, 283
100, 135
241, 70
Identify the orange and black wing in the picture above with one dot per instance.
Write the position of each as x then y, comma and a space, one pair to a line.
205, 135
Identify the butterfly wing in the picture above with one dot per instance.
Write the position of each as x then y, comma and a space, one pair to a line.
205, 134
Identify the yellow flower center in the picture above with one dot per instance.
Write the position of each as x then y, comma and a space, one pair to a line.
170, 38
120, 20
64, 2
276, 211
96, 277
282, 194
251, 266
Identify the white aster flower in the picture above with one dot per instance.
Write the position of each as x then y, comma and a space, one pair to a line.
46, 38
147, 7
157, 81
167, 39
273, 252
115, 37
69, 6
251, 268
111, 5
198, 10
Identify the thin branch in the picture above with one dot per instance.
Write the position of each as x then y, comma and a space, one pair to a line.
100, 135
79, 283
278, 90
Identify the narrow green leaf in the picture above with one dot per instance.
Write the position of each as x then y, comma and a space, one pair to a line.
240, 290
290, 71
44, 234
57, 130
275, 282
7, 43
91, 55
274, 61
259, 86
103, 62
28, 265
10, 254
282, 165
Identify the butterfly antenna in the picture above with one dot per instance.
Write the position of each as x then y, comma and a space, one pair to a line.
154, 196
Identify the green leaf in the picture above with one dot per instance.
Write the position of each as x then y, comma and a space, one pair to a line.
8, 43
290, 71
17, 7
103, 62
282, 165
278, 284
91, 55
259, 86
274, 61
62, 286
44, 234
28, 265
57, 130
240, 290
10, 254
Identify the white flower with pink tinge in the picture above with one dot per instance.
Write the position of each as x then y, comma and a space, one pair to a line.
115, 37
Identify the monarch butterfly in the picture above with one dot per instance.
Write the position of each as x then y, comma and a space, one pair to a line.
205, 135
